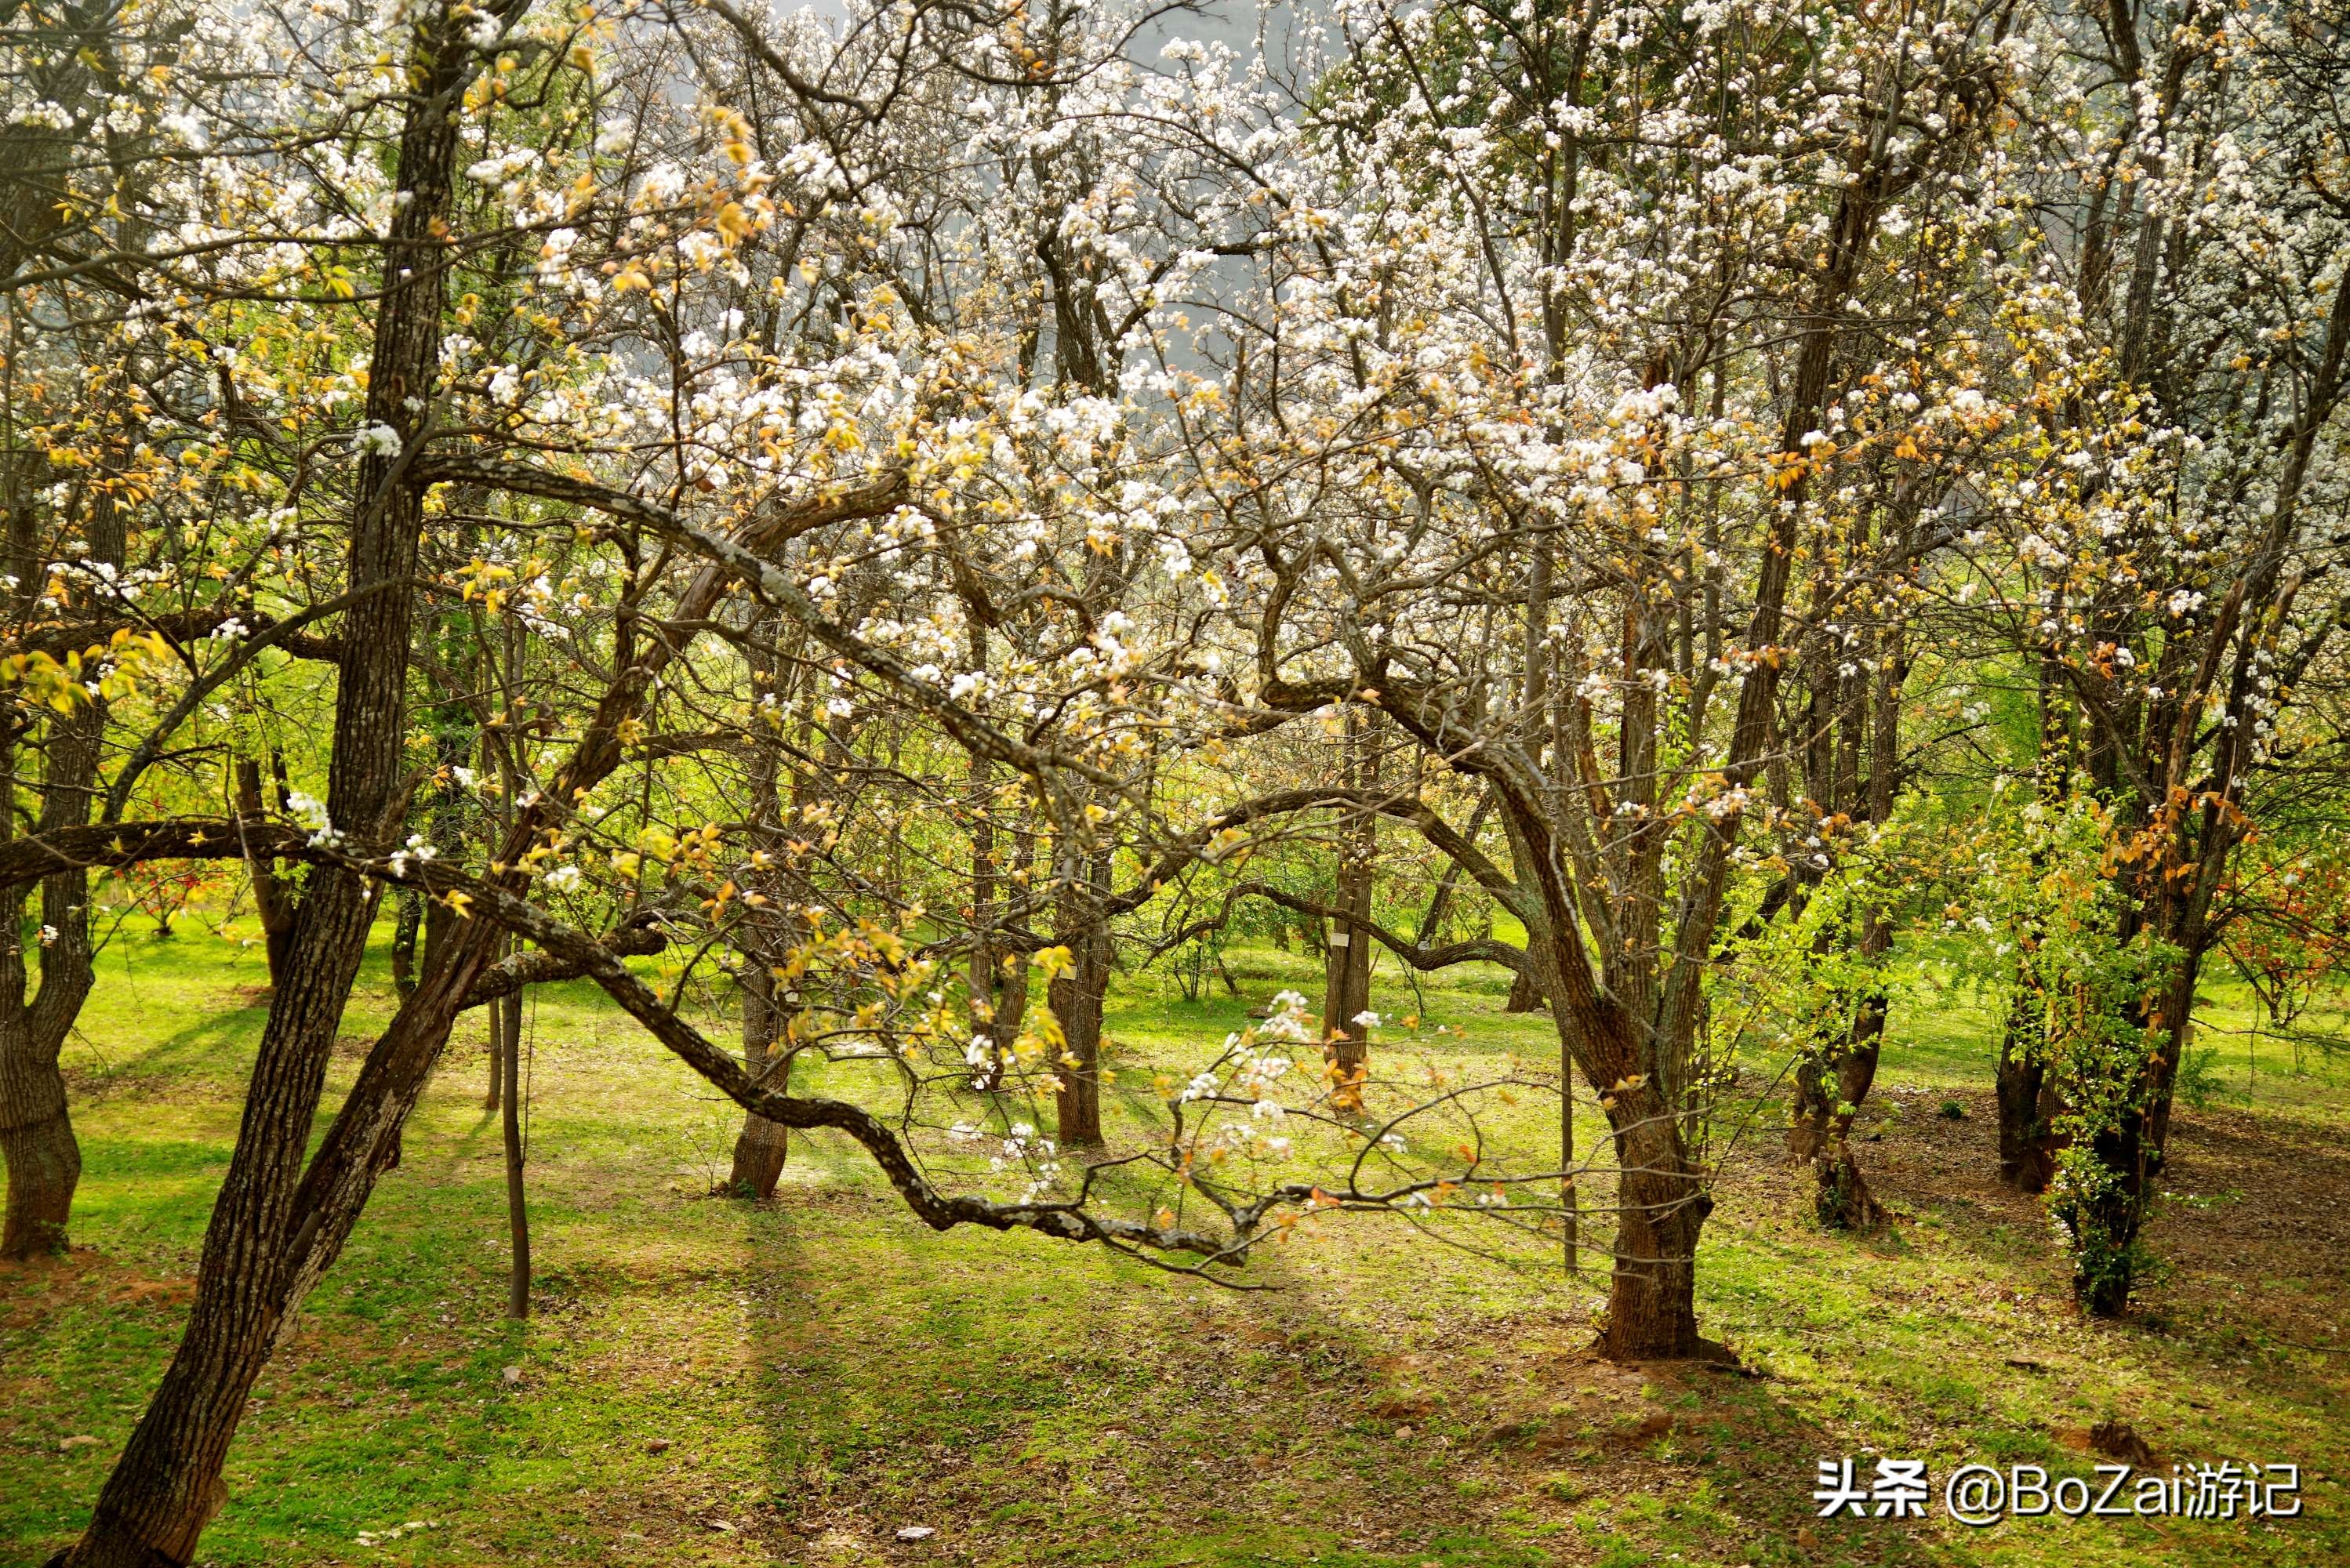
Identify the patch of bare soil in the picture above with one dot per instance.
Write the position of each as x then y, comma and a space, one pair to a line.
33, 1291
2254, 1225
86, 1088
38, 1288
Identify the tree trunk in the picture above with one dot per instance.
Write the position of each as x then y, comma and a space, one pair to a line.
1812, 1110
2106, 1211
517, 1207
765, 934
986, 970
37, 1139
1829, 1093
1347, 979
37, 1136
2026, 1145
404, 930
762, 1147
1841, 1200
1525, 995
271, 1230
496, 1095
1832, 1084
1077, 997
271, 897
1012, 1000
1346, 962
1012, 983
509, 1006
1662, 1205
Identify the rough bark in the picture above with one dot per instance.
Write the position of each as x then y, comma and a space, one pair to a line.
1075, 997
1661, 1208
406, 928
268, 1235
36, 1136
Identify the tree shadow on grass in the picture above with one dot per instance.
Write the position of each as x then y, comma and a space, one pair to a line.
1009, 1400
1959, 1318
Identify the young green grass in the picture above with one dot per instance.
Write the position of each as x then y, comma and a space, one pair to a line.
708, 1382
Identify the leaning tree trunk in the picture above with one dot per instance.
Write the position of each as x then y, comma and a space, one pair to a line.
266, 1231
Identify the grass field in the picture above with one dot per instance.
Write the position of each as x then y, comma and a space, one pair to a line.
711, 1383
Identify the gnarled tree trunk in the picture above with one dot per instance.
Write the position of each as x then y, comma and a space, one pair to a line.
1841, 1200
1662, 1205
